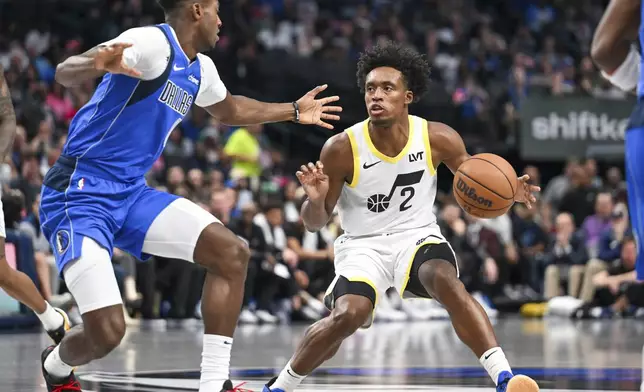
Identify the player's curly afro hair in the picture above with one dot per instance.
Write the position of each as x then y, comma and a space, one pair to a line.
413, 66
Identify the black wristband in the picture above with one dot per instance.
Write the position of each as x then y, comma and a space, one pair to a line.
296, 106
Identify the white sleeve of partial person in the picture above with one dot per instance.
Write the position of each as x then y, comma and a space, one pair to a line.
3, 234
627, 75
212, 89
149, 53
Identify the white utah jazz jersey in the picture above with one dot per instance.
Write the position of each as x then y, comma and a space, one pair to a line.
389, 194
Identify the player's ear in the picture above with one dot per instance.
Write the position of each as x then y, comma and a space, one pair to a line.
197, 12
409, 97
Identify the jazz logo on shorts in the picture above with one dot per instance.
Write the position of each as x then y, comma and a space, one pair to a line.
62, 241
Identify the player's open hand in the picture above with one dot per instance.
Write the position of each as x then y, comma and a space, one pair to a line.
316, 111
314, 181
109, 58
525, 191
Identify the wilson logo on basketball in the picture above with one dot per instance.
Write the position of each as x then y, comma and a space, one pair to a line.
470, 193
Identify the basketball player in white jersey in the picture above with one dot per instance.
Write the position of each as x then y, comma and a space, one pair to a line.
382, 174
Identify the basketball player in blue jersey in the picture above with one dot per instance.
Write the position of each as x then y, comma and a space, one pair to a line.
620, 61
16, 283
95, 197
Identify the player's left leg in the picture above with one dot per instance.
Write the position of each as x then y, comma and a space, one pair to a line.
164, 225
433, 271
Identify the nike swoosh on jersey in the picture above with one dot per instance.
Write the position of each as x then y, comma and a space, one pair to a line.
365, 166
178, 68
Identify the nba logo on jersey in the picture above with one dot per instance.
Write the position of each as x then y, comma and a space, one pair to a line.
176, 98
81, 184
62, 241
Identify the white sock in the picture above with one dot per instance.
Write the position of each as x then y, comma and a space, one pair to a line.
55, 366
494, 361
215, 362
50, 318
288, 380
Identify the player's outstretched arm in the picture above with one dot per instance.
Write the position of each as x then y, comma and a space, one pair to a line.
323, 181
240, 110
611, 47
7, 119
95, 63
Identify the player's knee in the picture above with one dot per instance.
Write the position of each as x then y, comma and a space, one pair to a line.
439, 279
222, 252
106, 335
237, 254
348, 318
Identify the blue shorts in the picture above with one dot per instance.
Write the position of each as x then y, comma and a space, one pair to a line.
634, 156
76, 202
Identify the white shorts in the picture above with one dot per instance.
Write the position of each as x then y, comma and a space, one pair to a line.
173, 234
384, 261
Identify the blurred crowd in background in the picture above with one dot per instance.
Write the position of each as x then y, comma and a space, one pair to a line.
575, 244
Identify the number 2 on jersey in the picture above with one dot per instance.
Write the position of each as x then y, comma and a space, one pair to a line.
380, 203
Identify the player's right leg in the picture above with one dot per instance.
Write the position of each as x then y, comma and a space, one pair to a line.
19, 286
352, 297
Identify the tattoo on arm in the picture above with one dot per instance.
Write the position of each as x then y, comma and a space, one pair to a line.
7, 118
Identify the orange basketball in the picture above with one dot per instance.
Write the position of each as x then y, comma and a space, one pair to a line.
485, 185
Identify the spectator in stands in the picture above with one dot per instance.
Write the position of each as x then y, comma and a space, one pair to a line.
599, 222
559, 186
580, 199
609, 250
565, 257
315, 255
531, 240
259, 254
612, 285
243, 149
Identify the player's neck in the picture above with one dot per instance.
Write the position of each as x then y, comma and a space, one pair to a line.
399, 130
185, 36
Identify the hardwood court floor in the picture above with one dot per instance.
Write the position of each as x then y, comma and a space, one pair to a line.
561, 355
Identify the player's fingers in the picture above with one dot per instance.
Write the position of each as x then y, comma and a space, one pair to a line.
319, 165
304, 169
534, 188
328, 100
331, 117
325, 125
335, 109
312, 167
318, 90
130, 71
121, 45
299, 175
524, 177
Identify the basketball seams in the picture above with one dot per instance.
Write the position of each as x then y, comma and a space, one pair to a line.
499, 169
492, 191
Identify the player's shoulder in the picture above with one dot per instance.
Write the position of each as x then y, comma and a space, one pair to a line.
150, 34
337, 150
440, 131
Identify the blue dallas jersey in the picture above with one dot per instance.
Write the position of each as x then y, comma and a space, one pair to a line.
97, 188
123, 129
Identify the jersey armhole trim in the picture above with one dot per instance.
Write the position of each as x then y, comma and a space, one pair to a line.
428, 148
356, 158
